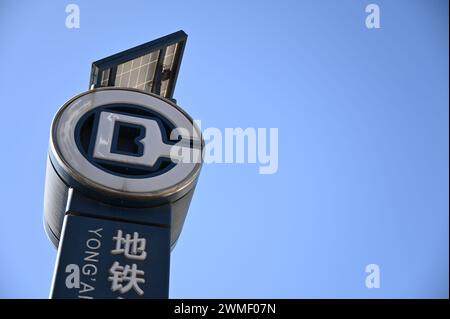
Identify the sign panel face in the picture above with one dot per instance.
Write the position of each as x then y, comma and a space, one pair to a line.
101, 258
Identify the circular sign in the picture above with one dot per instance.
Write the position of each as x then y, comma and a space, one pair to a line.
125, 142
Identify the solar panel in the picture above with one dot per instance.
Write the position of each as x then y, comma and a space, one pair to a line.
151, 67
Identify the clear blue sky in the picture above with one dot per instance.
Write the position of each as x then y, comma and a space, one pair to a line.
363, 126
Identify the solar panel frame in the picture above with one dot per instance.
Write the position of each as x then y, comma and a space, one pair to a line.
112, 62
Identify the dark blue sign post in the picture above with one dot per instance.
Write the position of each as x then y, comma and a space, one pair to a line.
108, 259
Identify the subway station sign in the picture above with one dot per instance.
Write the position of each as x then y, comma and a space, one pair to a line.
121, 171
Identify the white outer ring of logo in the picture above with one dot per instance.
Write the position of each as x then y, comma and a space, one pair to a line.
63, 145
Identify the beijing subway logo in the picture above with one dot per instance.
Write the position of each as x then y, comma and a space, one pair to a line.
126, 141
132, 141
